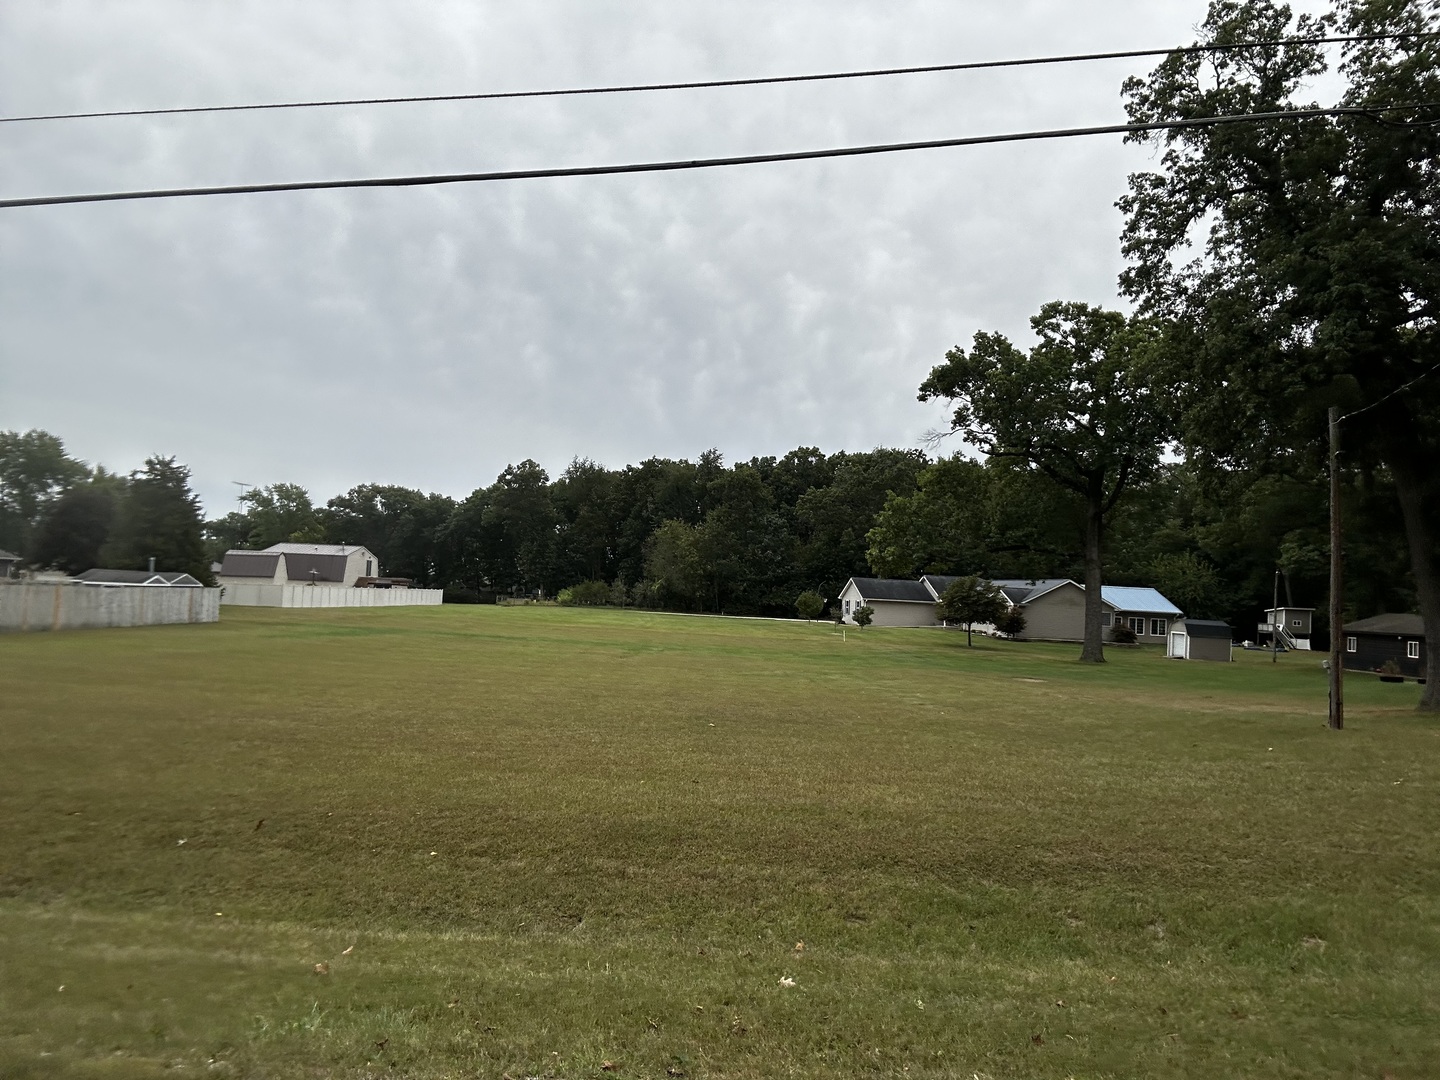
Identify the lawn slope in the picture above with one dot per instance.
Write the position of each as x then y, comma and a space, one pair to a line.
475, 841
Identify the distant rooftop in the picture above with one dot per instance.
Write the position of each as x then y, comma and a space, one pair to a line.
1401, 625
137, 577
315, 549
893, 589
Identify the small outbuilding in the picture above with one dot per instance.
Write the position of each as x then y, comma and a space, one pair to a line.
1200, 639
1387, 645
9, 563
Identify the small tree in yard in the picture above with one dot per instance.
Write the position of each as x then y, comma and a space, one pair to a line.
863, 615
809, 604
1012, 623
969, 600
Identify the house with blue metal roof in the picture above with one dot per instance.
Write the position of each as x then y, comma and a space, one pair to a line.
1054, 608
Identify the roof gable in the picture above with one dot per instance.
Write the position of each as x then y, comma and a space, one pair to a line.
891, 589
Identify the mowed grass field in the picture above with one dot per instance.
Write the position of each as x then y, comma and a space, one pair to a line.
565, 843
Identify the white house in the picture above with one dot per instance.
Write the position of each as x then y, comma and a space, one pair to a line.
895, 602
341, 565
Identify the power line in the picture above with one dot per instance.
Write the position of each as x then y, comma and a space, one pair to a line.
1398, 390
1372, 113
979, 65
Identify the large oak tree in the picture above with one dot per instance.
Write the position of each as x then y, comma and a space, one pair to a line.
1080, 407
1300, 260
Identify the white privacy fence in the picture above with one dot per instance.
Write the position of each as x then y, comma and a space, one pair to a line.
325, 596
26, 606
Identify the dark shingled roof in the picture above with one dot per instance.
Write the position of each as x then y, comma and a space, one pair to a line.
326, 567
1207, 628
892, 589
249, 564
1402, 625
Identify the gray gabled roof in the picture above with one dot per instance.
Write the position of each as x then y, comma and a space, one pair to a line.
290, 548
1019, 590
1206, 628
892, 589
938, 583
1401, 625
137, 577
8, 556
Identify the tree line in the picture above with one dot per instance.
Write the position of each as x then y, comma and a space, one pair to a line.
745, 538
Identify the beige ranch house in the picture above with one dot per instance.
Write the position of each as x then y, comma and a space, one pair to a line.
1054, 608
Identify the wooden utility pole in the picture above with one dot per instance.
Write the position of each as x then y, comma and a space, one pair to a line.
1337, 676
1274, 615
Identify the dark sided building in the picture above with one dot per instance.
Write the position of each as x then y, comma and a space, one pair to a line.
1371, 643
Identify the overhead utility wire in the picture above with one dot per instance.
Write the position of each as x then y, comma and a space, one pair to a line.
1372, 113
978, 65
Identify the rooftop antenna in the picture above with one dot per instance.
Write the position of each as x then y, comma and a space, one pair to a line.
242, 486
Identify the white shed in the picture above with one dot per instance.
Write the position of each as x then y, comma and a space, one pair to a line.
1200, 639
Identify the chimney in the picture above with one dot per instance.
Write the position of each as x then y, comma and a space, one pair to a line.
152, 564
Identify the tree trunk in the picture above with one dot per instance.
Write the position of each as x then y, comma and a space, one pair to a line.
1421, 539
1093, 651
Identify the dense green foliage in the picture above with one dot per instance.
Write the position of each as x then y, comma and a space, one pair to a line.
1296, 264
669, 534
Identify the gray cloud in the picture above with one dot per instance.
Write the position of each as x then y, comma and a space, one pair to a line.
430, 336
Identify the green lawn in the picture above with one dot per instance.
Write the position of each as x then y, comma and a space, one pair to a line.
550, 842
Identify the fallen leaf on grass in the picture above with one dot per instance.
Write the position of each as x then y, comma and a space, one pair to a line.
786, 981
322, 968
1038, 1040
1060, 1004
348, 950
607, 1066
1318, 944
259, 823
799, 946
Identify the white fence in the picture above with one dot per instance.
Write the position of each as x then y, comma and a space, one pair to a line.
28, 606
325, 596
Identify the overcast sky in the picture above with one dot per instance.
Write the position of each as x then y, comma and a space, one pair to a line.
430, 336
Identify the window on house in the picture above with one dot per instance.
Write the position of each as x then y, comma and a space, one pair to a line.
1297, 622
1157, 628
1349, 644
1137, 623
1412, 650
847, 607
369, 568
1105, 619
